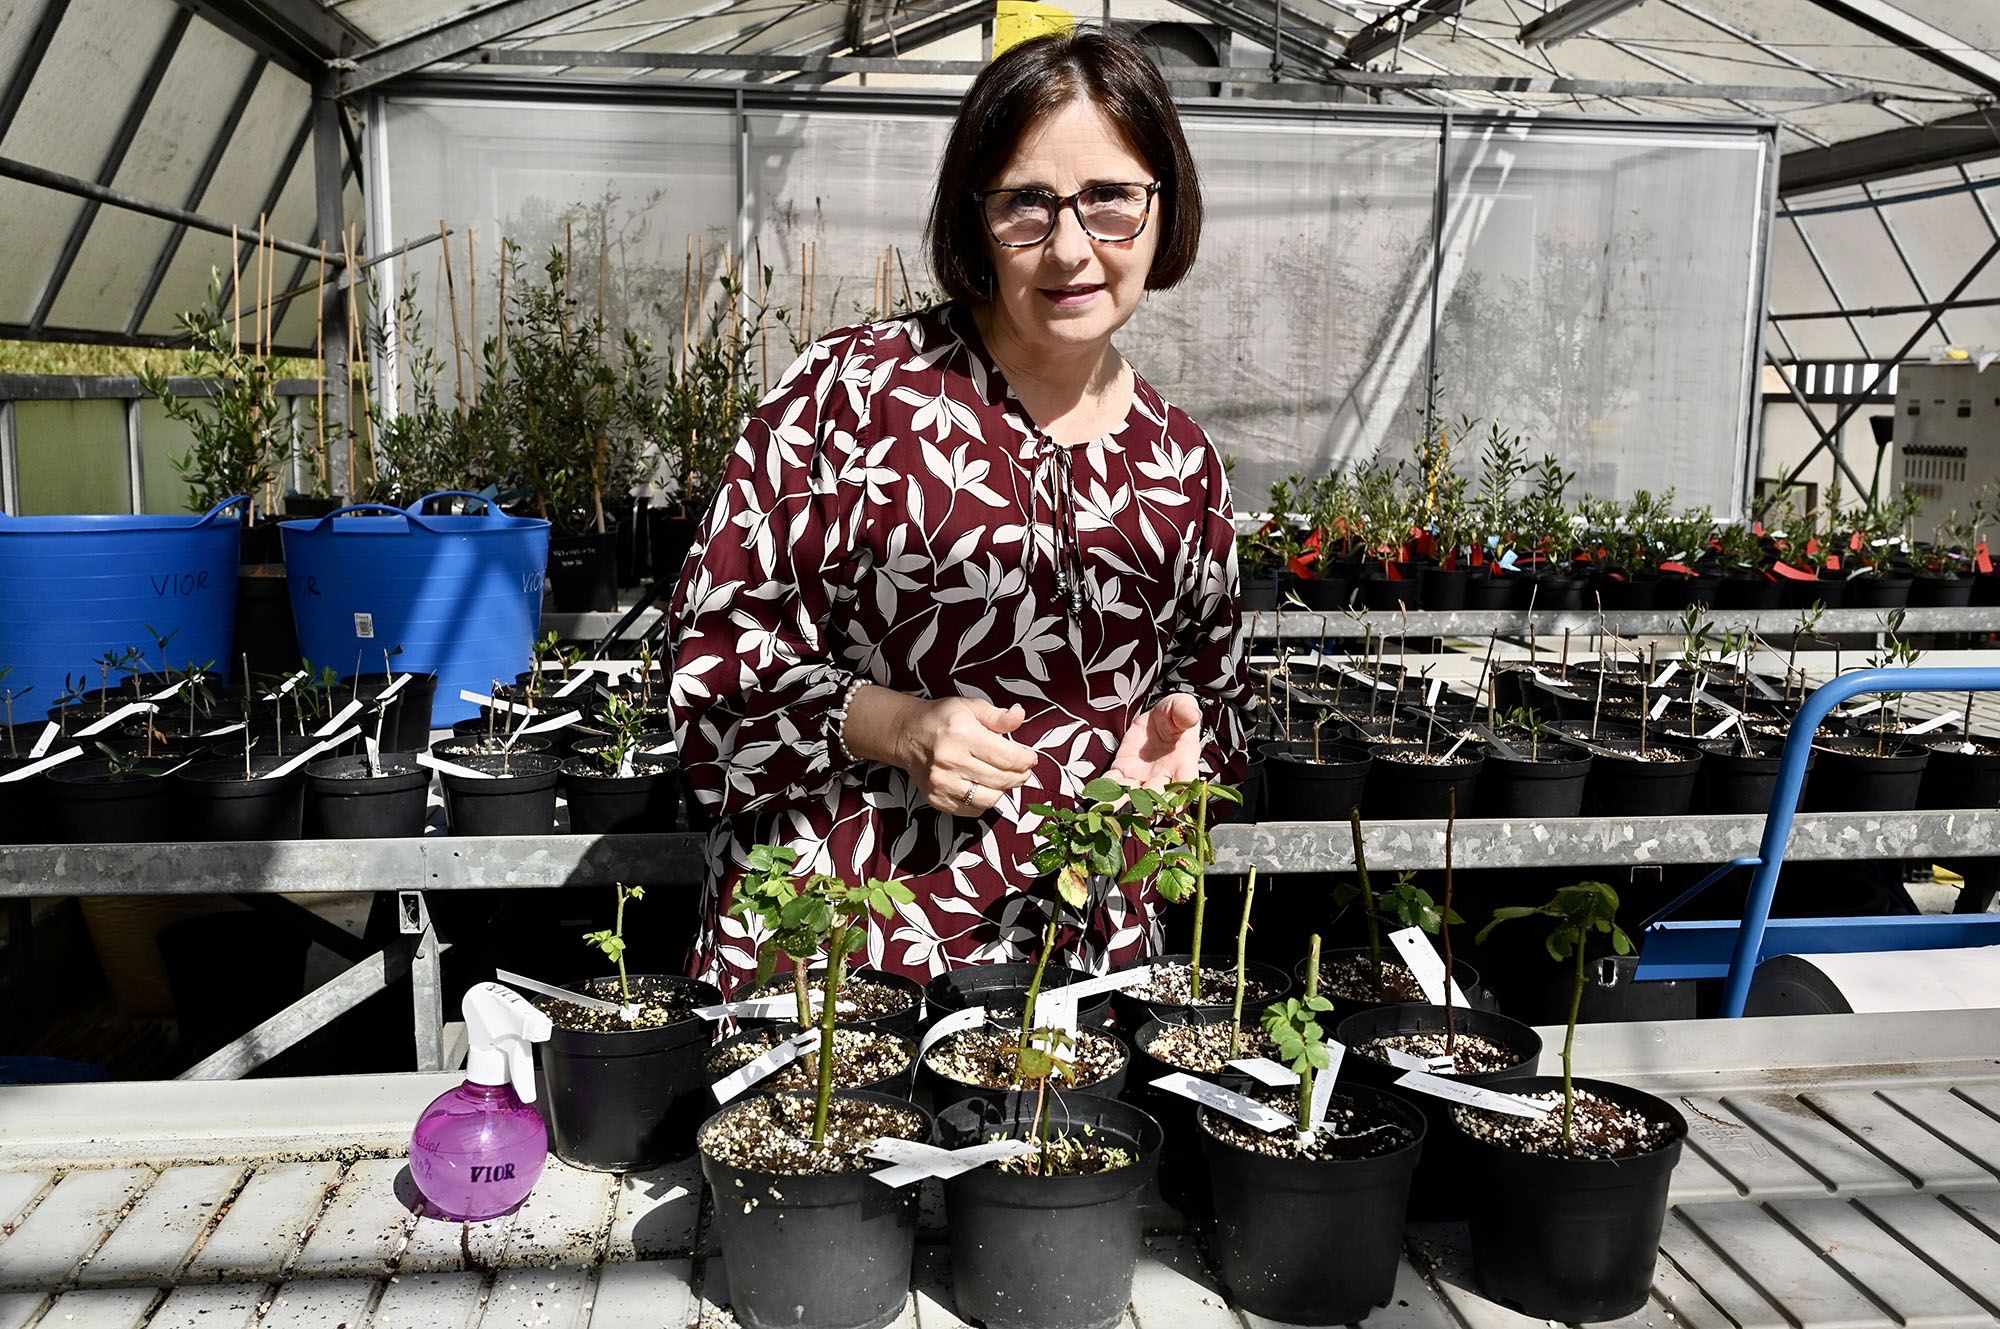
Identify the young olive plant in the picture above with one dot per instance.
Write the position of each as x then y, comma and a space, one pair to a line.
1293, 1025
8, 696
611, 941
1895, 653
627, 724
1575, 913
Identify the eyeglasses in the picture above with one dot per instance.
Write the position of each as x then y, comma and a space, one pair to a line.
1023, 218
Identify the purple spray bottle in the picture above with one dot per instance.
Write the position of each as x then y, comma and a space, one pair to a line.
479, 1149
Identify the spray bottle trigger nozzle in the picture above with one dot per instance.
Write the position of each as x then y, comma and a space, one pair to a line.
502, 1026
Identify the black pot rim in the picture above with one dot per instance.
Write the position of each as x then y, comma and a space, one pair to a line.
624, 1042
830, 1181
1611, 1089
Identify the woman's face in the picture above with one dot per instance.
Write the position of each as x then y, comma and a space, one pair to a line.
1071, 291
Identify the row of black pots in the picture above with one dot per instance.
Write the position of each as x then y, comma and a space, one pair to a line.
405, 720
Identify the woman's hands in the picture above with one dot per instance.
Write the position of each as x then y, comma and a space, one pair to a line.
956, 748
1162, 747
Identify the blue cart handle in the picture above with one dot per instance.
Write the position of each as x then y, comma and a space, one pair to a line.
215, 513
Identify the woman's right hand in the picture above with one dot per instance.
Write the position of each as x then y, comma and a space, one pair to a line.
955, 748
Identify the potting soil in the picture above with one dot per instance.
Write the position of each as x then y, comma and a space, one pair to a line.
1470, 1054
985, 1057
775, 1135
1071, 1154
657, 1008
1170, 985
1352, 978
1346, 1132
860, 999
1601, 1129
860, 1058
1204, 1048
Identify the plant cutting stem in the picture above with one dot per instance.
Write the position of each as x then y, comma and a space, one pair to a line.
801, 989
1200, 893
618, 929
1242, 951
1569, 1040
1041, 968
836, 960
1367, 906
1306, 1071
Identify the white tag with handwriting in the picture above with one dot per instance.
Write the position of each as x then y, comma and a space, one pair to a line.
915, 1162
1056, 1009
168, 694
563, 721
779, 1057
1764, 689
1414, 945
443, 767
41, 764
1323, 1082
1935, 723
955, 1023
1431, 694
324, 745
225, 731
1266, 1071
1666, 674
759, 1008
1659, 707
1091, 987
582, 677
49, 732
495, 704
1721, 727
1471, 1095
130, 708
341, 717
1221, 1100
1866, 708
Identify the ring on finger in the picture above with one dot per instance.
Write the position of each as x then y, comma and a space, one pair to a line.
971, 788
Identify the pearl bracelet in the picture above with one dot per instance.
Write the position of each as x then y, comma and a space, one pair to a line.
836, 718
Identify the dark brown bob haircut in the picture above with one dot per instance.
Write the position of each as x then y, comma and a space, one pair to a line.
1035, 79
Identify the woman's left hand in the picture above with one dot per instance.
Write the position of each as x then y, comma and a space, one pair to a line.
1163, 746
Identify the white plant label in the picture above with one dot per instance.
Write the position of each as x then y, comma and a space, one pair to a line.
1471, 1095
1932, 725
1215, 1096
130, 708
1866, 708
1666, 674
492, 703
666, 749
39, 765
756, 1008
1056, 1010
582, 677
956, 1023
374, 751
1414, 945
168, 694
1431, 693
1764, 689
1404, 1061
49, 732
1265, 1071
779, 1057
1360, 677
563, 721
225, 731
527, 984
286, 686
443, 767
395, 686
324, 745
1323, 1082
1704, 695
916, 1162
341, 717
1721, 727
1118, 982
1452, 751
1659, 707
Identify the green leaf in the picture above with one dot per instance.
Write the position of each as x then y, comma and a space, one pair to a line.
1073, 884
1104, 789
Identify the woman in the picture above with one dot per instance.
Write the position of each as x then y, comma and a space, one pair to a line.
967, 560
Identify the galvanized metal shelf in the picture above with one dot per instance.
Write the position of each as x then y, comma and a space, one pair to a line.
1841, 1171
448, 863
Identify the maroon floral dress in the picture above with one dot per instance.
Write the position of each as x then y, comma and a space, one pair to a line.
892, 513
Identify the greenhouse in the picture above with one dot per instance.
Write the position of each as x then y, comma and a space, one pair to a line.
861, 663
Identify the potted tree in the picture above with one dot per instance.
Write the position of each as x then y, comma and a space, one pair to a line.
381, 793
810, 1238
1567, 1209
1278, 1193
621, 785
1528, 772
626, 1091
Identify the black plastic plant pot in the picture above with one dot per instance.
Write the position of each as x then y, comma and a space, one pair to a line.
1746, 593
1330, 592
1130, 1012
1483, 590
1985, 588
814, 1252
1622, 784
1627, 592
1003, 990
87, 804
1403, 788
221, 805
1438, 1193
1273, 1215
601, 804
1570, 1239
897, 1085
345, 802
1852, 778
1929, 592
945, 1091
1380, 592
1549, 785
1953, 777
1045, 1252
1260, 592
905, 1022
1734, 781
1885, 592
407, 725
1441, 588
1477, 995
518, 797
474, 731
1299, 788
624, 1100
1550, 591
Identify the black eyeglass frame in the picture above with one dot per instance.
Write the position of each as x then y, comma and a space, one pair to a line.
1074, 202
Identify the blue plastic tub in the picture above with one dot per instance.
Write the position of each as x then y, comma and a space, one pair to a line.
462, 595
74, 588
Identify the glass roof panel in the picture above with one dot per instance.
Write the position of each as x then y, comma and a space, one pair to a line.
17, 23
1977, 25
1810, 33
166, 156
1797, 288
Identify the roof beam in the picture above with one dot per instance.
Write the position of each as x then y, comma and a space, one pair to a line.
1388, 32
114, 158
449, 40
1319, 49
16, 89
296, 35
1920, 39
1952, 141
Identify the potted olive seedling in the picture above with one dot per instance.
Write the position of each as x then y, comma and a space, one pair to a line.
811, 1239
622, 784
1530, 772
378, 794
1566, 1209
1278, 1192
627, 1090
1875, 769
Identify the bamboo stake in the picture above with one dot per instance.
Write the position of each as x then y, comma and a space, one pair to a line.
500, 328
257, 338
805, 313
236, 289
909, 300
367, 416
457, 335
763, 326
687, 296
472, 301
